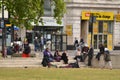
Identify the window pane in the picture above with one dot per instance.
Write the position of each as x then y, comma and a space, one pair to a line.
110, 25
100, 25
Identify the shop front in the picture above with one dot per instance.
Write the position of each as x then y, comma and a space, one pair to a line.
52, 33
102, 29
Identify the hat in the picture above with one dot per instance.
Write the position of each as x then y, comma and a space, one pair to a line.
106, 49
36, 37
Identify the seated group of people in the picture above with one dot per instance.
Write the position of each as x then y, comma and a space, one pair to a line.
10, 50
82, 53
48, 57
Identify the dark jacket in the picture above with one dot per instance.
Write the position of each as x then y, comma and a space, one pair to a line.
48, 55
102, 49
91, 52
27, 49
64, 57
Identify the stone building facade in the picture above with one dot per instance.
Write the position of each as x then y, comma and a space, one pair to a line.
76, 23
106, 28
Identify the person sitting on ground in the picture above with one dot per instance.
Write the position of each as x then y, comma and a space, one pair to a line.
64, 57
48, 54
57, 56
47, 58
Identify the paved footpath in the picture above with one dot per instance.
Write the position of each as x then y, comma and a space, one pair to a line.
36, 61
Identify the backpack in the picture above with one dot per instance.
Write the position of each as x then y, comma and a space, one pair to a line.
107, 57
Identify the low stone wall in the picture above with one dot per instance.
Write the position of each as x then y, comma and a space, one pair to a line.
20, 55
115, 58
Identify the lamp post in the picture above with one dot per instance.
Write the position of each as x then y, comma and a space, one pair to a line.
91, 21
3, 30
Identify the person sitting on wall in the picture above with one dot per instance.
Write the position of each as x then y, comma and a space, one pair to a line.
85, 50
81, 43
26, 51
78, 56
107, 58
101, 51
15, 47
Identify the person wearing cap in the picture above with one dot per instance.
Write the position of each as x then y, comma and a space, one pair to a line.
107, 58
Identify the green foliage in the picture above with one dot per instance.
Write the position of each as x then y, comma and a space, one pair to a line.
59, 10
23, 12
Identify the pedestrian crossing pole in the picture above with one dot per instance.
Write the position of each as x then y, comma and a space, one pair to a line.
92, 19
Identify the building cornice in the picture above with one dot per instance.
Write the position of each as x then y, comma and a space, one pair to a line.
93, 5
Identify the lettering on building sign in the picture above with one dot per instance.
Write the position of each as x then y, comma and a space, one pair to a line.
101, 16
98, 15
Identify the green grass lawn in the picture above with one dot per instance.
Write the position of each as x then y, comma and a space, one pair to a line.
58, 74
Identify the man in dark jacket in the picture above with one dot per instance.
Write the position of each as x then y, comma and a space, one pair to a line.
101, 51
90, 55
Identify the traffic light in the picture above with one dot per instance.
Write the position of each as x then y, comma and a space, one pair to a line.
8, 30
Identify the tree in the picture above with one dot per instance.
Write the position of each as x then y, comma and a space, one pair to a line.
27, 11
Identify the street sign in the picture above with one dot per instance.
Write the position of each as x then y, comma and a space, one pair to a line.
2, 23
92, 19
8, 25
